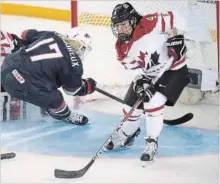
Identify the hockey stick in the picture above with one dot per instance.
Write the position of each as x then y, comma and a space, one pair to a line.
181, 120
58, 173
7, 155
109, 95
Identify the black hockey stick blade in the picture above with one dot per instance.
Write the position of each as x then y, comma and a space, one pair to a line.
7, 155
183, 119
58, 173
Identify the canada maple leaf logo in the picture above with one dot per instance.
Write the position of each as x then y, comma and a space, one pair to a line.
140, 61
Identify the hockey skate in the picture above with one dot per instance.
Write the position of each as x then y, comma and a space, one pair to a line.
129, 140
76, 118
148, 155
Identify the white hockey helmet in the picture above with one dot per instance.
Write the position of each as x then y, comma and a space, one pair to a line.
80, 41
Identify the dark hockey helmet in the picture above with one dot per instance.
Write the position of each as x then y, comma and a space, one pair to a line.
121, 13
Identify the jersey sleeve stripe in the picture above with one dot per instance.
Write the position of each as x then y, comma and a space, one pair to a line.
162, 23
171, 19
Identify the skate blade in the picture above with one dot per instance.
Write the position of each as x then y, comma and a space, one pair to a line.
147, 163
118, 149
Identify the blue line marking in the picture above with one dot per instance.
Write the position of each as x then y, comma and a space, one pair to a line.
59, 138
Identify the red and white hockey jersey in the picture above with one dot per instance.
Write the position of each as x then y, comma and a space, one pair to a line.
7, 45
147, 50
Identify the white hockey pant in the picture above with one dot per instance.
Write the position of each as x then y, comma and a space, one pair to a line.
154, 115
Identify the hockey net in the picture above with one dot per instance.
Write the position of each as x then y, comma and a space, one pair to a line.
102, 65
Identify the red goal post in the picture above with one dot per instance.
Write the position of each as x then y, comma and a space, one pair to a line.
74, 13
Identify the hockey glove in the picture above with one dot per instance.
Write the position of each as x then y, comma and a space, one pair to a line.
143, 88
88, 86
176, 47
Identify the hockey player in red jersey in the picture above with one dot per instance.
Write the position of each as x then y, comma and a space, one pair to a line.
143, 46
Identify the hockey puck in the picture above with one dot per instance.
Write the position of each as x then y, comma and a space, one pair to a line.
7, 155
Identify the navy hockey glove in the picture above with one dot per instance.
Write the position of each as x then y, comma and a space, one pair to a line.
88, 86
176, 47
143, 88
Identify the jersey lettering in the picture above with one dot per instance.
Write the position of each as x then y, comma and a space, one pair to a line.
72, 54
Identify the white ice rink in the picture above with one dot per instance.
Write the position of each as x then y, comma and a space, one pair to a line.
34, 168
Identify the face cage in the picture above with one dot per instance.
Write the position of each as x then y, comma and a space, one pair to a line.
79, 47
124, 37
83, 52
121, 37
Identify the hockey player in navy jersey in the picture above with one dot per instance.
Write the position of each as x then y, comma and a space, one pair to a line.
50, 61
